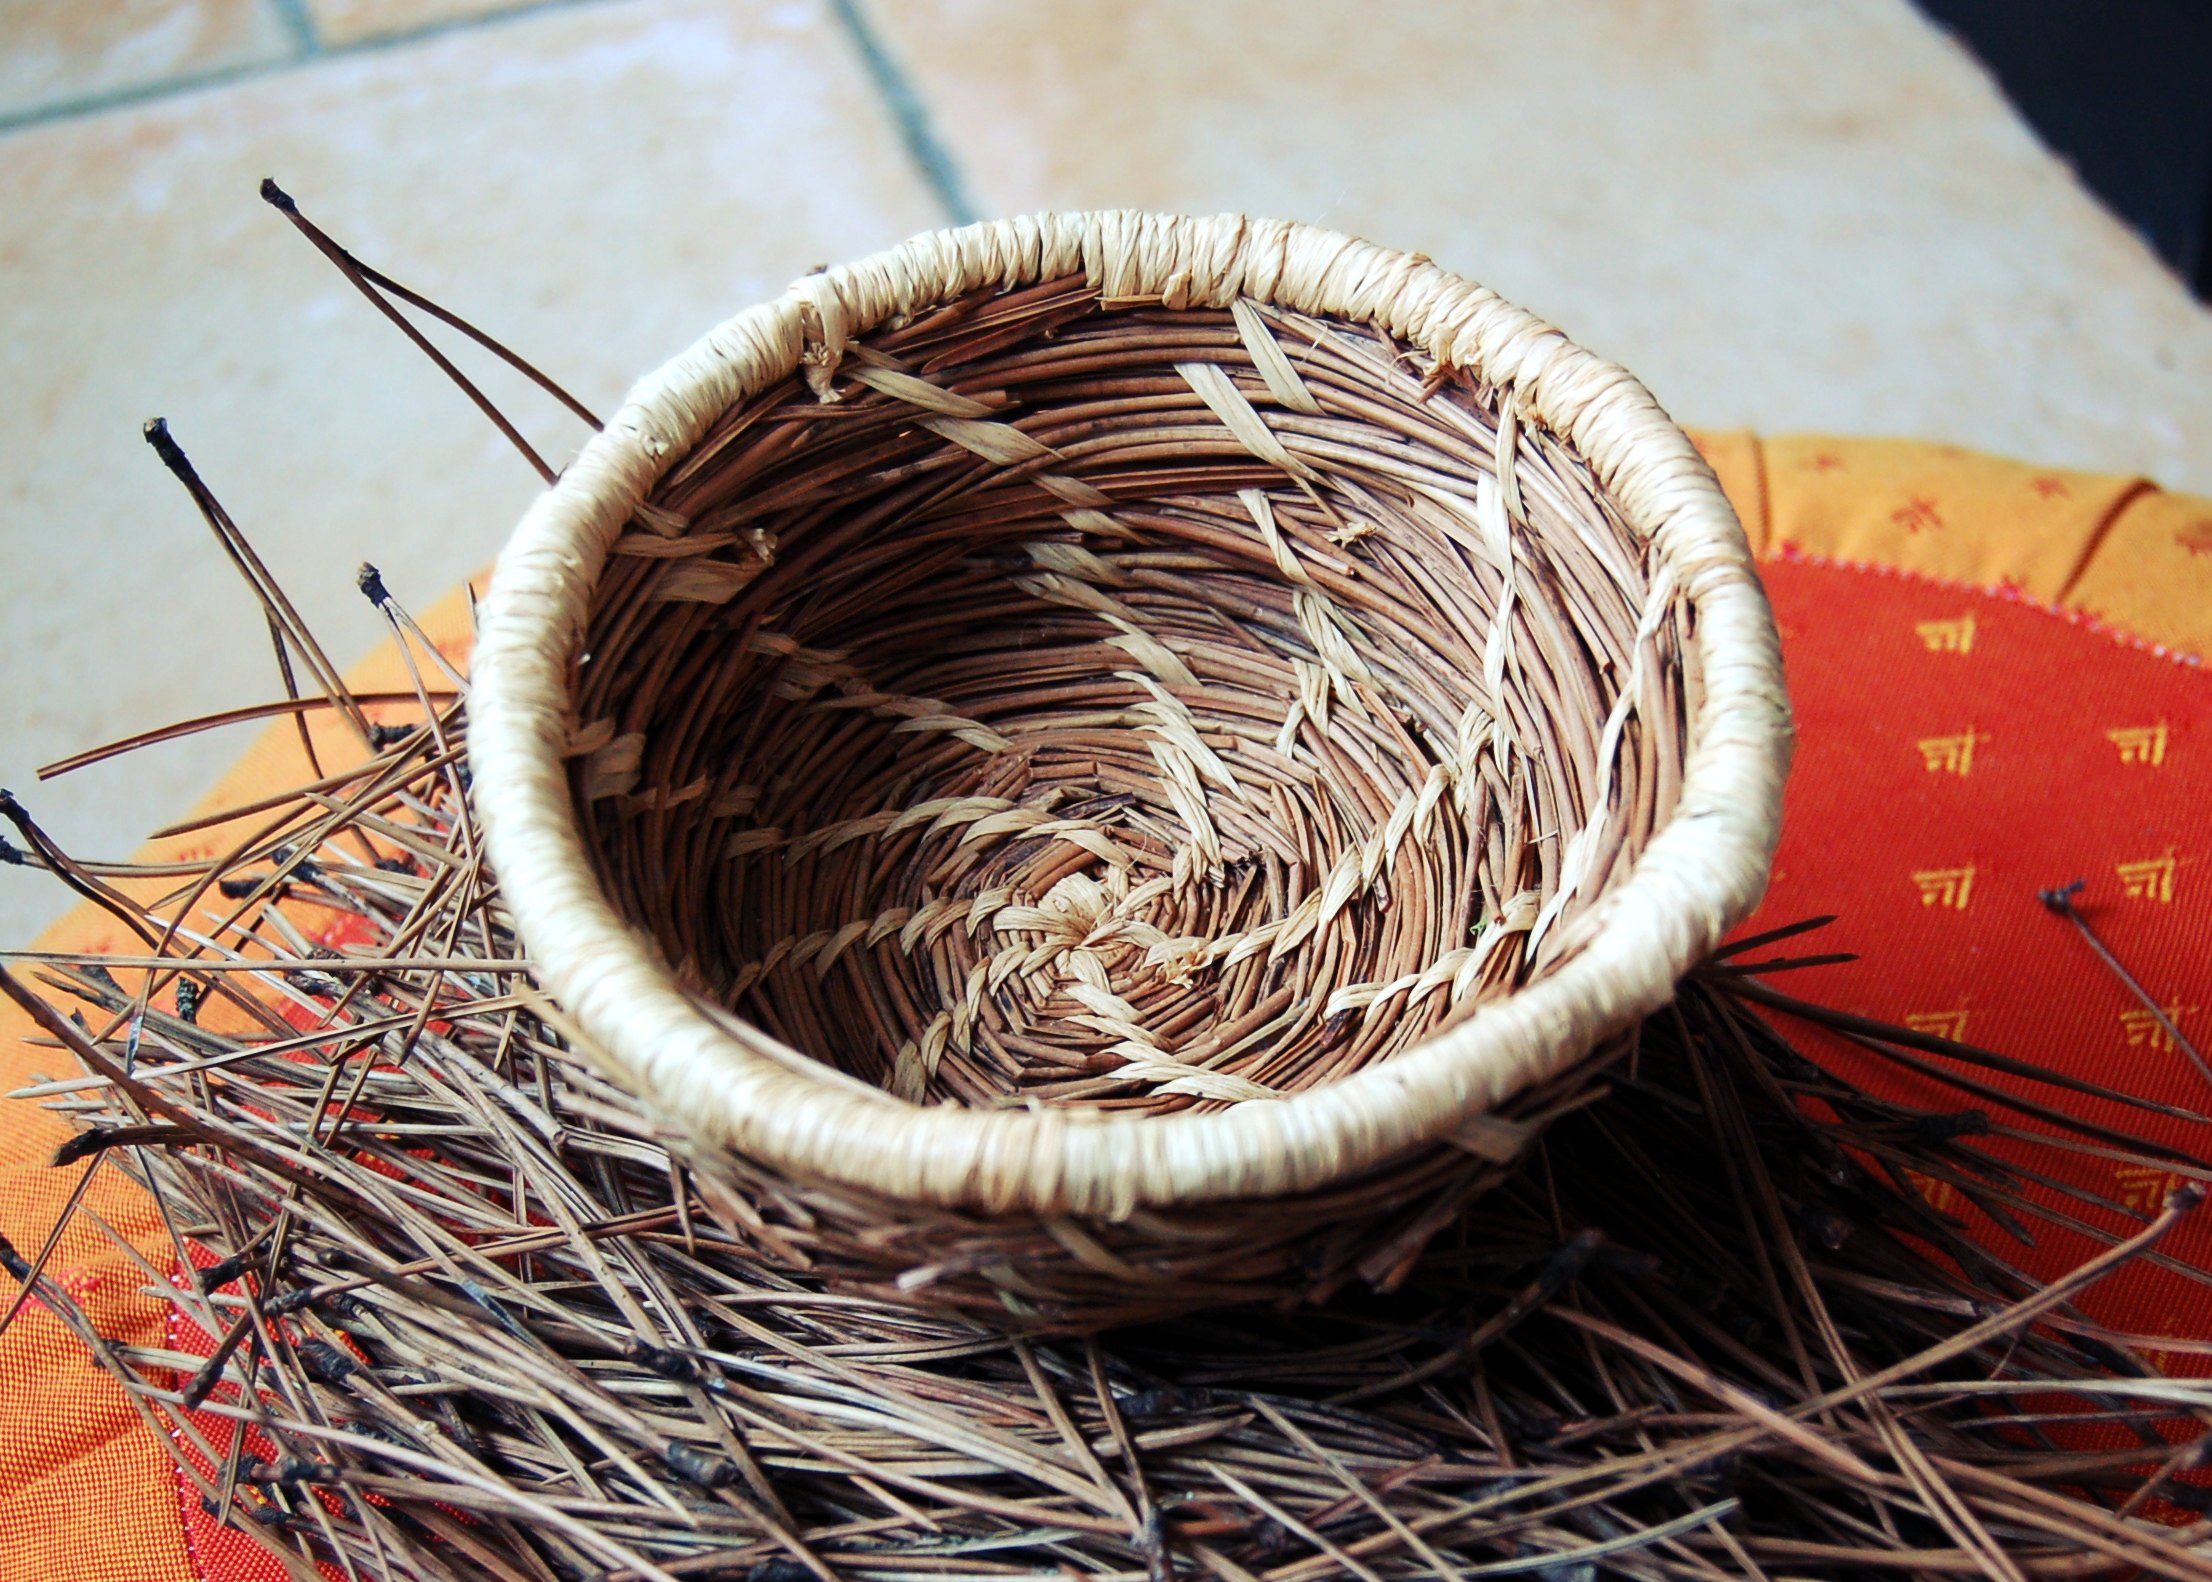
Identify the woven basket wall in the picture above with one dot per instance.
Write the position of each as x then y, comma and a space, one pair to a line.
1106, 763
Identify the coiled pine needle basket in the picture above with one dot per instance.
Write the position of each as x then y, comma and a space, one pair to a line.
1106, 763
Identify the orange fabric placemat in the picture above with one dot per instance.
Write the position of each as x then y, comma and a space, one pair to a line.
1963, 741
87, 1491
2117, 551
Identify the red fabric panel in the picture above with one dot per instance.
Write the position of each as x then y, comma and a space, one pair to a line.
1959, 752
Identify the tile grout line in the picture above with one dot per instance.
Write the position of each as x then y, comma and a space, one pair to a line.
136, 94
909, 114
293, 14
309, 50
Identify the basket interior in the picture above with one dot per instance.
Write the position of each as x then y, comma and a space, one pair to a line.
1101, 703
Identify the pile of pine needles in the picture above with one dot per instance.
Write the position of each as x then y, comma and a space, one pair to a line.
473, 1322
444, 1305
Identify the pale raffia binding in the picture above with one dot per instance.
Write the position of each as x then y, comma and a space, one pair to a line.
1210, 707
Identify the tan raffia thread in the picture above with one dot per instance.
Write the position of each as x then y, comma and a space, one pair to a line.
1096, 634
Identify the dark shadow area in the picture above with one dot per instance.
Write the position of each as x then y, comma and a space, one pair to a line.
2120, 89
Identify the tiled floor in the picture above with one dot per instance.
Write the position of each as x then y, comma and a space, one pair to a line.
62, 54
1813, 215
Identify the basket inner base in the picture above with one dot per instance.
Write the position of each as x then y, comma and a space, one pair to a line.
1108, 704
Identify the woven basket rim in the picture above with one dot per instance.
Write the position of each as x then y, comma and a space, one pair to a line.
726, 1084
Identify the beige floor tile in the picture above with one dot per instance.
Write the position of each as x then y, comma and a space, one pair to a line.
596, 185
340, 22
1802, 216
56, 52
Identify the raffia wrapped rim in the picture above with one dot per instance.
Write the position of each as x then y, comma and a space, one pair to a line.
727, 1083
